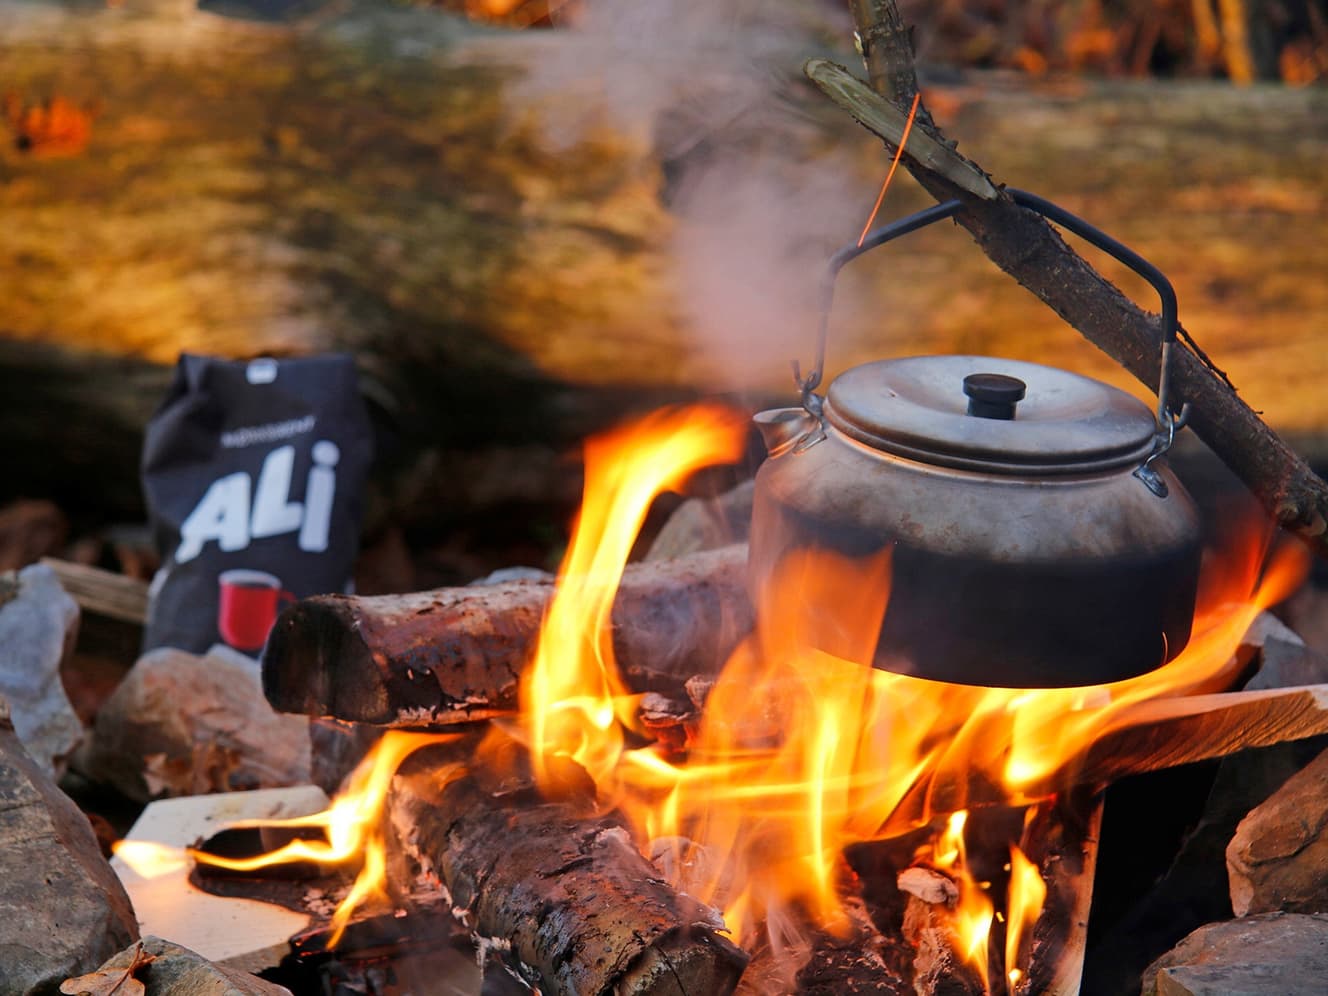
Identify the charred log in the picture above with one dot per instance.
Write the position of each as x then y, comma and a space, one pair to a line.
457, 654
562, 897
862, 962
1061, 840
930, 927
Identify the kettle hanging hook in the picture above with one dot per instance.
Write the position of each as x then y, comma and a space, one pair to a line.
1168, 422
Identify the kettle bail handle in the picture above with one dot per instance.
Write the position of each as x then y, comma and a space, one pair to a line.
1168, 423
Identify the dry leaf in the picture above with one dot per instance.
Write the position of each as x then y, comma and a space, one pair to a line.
111, 981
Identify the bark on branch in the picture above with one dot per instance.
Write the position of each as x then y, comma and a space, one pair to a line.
560, 895
1026, 247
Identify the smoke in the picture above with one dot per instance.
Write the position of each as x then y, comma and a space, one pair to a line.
761, 178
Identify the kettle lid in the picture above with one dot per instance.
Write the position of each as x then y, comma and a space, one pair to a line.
989, 414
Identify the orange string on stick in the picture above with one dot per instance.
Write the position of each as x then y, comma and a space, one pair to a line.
899, 153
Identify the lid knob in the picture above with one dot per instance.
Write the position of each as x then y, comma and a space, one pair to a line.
992, 395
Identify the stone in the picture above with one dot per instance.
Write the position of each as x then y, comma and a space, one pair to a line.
38, 629
1278, 858
181, 724
176, 971
62, 909
1274, 954
706, 524
1284, 658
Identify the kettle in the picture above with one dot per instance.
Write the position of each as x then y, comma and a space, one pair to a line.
1037, 537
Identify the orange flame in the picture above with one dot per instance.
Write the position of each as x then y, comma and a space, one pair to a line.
572, 694
1023, 906
351, 824
148, 859
974, 910
803, 748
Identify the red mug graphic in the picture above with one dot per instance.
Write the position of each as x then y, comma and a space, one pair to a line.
248, 607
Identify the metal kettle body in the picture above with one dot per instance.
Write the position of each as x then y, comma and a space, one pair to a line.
1001, 574
1036, 536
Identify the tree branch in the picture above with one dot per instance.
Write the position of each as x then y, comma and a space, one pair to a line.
1026, 247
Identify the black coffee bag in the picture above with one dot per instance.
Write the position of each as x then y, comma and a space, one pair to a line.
254, 474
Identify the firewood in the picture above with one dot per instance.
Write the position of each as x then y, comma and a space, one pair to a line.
457, 654
1061, 840
102, 592
564, 898
929, 926
862, 962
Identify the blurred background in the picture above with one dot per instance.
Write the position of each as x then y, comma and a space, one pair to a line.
527, 219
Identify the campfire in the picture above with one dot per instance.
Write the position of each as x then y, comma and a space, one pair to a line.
728, 823
858, 740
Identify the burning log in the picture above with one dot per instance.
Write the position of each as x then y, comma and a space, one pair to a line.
457, 654
565, 900
929, 925
1061, 840
864, 962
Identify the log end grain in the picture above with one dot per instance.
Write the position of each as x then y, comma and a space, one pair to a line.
316, 663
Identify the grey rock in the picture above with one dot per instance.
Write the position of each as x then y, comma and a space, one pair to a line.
181, 724
1278, 858
1274, 954
706, 524
177, 971
1284, 659
504, 574
38, 627
62, 909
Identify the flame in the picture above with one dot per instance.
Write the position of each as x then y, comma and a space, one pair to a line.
575, 701
351, 824
148, 859
1023, 906
802, 748
1050, 726
974, 910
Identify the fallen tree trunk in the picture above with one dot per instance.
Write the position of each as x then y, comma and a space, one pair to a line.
457, 654
388, 179
565, 900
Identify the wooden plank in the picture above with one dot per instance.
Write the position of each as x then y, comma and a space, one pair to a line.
240, 933
101, 592
1062, 840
